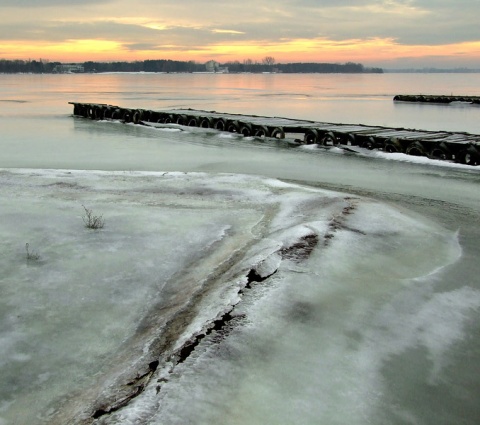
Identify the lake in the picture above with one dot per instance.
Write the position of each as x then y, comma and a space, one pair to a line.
366, 302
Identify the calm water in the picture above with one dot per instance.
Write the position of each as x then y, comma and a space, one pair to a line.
365, 99
379, 349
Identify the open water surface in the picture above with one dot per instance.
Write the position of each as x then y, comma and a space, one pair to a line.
378, 325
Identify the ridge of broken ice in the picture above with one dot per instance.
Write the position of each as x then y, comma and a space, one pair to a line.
102, 306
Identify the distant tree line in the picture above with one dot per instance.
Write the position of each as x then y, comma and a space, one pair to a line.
164, 65
29, 66
161, 65
268, 65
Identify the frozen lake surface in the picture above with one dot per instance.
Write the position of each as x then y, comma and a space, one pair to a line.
236, 281
102, 302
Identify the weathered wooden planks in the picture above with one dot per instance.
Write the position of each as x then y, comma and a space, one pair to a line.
443, 145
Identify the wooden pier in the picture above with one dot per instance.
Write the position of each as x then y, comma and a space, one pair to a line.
420, 98
442, 145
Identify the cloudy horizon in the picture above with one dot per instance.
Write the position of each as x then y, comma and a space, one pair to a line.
379, 33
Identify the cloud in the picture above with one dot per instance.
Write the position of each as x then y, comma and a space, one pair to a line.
196, 25
48, 3
61, 31
142, 46
220, 31
56, 31
407, 21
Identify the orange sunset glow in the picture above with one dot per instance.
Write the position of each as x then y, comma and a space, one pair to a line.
367, 51
388, 33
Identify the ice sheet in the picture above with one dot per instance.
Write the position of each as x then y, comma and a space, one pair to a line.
89, 312
309, 344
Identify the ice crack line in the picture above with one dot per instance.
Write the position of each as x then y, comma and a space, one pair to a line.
138, 385
296, 252
338, 222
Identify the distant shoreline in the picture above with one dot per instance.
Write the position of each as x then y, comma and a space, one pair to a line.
171, 66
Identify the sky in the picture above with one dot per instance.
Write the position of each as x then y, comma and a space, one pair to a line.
380, 33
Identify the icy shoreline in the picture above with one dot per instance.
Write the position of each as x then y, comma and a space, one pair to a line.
31, 190
189, 243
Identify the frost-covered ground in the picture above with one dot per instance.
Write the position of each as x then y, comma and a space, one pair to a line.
102, 314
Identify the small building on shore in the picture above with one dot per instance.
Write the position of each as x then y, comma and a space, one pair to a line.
212, 66
69, 68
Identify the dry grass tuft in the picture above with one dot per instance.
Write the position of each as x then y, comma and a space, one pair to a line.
92, 221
